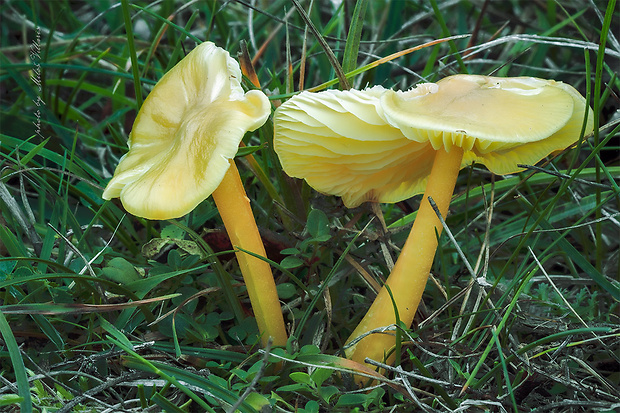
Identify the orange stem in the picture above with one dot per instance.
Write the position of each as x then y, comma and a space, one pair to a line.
408, 278
234, 208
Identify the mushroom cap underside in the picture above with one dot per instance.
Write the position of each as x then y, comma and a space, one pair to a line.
379, 145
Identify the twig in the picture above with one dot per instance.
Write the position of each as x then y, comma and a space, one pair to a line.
449, 233
580, 404
89, 263
389, 261
420, 377
380, 330
410, 390
484, 254
75, 249
609, 217
344, 83
67, 408
565, 176
594, 374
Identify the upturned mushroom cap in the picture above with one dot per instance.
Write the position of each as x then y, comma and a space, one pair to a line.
379, 145
188, 128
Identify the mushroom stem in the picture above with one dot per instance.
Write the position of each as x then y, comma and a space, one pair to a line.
234, 208
408, 278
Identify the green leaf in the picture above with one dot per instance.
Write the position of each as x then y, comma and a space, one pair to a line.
6, 268
248, 150
191, 248
293, 387
121, 271
352, 399
257, 401
301, 377
172, 231
291, 262
154, 247
309, 349
318, 225
8, 399
286, 290
290, 251
312, 407
327, 392
320, 375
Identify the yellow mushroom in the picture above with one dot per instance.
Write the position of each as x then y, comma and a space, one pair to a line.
382, 145
181, 150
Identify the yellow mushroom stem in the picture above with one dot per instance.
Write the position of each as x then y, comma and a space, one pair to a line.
408, 278
234, 208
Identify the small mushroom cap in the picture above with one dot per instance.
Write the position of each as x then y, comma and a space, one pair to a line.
187, 130
379, 145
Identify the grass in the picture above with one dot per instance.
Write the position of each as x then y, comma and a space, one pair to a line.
102, 311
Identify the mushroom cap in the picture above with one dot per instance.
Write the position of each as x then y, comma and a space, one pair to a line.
379, 145
187, 130
338, 142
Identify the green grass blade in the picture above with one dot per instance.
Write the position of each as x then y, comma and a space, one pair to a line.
502, 362
446, 33
12, 244
578, 258
79, 168
597, 109
206, 353
349, 61
168, 22
33, 152
189, 377
23, 386
135, 69
166, 404
333, 60
500, 326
